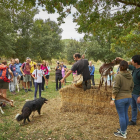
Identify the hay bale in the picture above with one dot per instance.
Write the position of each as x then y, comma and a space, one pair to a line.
90, 101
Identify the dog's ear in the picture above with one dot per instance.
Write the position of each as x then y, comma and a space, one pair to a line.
45, 99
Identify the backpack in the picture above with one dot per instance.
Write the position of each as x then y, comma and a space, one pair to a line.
4, 73
24, 66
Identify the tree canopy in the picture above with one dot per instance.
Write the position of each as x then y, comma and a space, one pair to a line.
117, 17
22, 35
111, 28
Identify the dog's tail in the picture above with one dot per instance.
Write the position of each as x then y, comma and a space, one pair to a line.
19, 117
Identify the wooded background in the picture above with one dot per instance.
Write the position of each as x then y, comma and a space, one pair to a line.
111, 27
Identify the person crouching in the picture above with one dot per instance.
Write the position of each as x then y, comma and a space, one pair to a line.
37, 75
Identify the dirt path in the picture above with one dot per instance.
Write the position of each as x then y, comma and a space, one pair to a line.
77, 126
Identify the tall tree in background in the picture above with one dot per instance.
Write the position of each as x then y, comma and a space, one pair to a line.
46, 38
6, 33
93, 16
23, 23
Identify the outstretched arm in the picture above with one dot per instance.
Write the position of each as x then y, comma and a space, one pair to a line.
67, 74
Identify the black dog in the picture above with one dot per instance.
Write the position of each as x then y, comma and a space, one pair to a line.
29, 107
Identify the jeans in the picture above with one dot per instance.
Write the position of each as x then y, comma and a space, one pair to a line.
36, 88
92, 78
12, 84
122, 106
134, 107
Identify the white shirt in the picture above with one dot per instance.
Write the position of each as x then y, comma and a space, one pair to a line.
39, 75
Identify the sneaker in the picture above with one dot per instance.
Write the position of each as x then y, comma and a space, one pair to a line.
29, 90
118, 130
46, 87
13, 92
26, 90
132, 123
118, 134
42, 90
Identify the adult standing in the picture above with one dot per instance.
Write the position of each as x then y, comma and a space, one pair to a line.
33, 66
92, 70
135, 67
20, 76
48, 74
63, 70
4, 81
25, 69
58, 75
12, 84
121, 96
45, 69
81, 66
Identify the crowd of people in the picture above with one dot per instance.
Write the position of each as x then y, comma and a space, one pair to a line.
126, 85
27, 74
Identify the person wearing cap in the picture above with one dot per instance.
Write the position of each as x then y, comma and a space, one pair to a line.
37, 75
25, 69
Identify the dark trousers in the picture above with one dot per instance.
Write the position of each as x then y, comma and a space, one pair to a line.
57, 79
92, 79
43, 83
36, 88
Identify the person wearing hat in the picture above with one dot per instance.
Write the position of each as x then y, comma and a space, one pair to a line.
37, 75
25, 69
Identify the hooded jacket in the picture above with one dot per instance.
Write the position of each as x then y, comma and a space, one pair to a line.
123, 85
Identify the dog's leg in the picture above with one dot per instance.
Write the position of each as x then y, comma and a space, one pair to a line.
24, 120
28, 119
38, 111
33, 114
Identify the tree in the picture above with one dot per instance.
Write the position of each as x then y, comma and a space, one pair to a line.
46, 39
94, 16
6, 33
130, 43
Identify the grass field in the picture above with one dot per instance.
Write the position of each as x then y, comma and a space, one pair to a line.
56, 125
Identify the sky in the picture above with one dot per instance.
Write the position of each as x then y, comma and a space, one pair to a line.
69, 31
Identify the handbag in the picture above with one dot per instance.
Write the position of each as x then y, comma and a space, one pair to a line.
138, 100
78, 79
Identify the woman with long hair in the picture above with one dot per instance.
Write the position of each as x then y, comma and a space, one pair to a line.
48, 74
121, 97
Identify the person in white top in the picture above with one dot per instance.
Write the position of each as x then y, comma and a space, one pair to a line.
37, 75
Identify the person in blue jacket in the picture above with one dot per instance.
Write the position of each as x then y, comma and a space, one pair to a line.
92, 70
20, 76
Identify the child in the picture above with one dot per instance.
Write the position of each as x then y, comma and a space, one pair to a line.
37, 75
